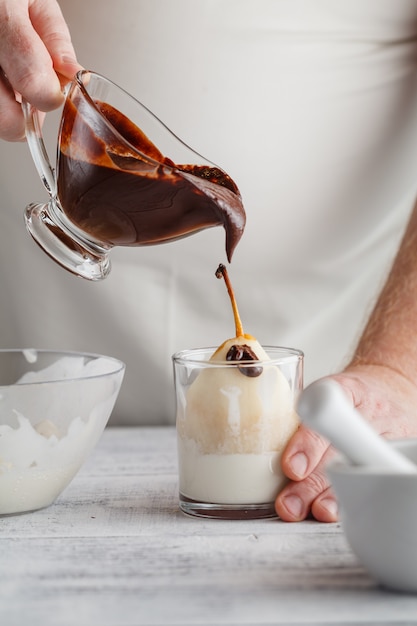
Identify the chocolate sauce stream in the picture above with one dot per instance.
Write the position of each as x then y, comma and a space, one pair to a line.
132, 195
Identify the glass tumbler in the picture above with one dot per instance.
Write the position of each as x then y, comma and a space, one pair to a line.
233, 420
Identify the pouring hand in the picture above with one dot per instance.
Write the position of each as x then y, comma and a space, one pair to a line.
385, 398
36, 58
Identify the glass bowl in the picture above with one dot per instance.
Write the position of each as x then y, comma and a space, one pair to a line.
54, 407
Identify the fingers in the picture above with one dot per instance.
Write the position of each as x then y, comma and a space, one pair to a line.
34, 46
308, 492
303, 453
325, 507
26, 61
53, 31
310, 496
11, 119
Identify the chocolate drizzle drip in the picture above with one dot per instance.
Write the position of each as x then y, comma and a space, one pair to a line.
244, 353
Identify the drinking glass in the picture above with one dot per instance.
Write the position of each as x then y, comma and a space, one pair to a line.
233, 422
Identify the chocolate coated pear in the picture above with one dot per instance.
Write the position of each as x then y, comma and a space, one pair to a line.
242, 347
244, 409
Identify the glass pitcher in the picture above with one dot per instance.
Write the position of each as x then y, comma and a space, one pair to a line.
113, 185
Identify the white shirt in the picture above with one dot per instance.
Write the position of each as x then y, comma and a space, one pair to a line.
311, 107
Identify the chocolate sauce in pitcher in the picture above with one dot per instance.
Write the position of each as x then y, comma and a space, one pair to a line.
126, 193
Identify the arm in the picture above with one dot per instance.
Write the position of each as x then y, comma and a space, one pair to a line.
381, 380
36, 56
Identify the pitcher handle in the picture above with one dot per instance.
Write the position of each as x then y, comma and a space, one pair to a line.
33, 130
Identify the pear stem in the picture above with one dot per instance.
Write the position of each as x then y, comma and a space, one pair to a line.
221, 272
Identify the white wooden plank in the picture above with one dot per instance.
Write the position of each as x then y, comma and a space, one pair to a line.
115, 550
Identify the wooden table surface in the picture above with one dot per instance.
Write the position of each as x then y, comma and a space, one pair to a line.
115, 550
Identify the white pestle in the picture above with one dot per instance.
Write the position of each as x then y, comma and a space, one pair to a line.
324, 407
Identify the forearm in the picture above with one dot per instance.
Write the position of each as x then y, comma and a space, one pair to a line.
381, 381
390, 336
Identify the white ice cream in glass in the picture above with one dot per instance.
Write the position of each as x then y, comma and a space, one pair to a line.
235, 415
